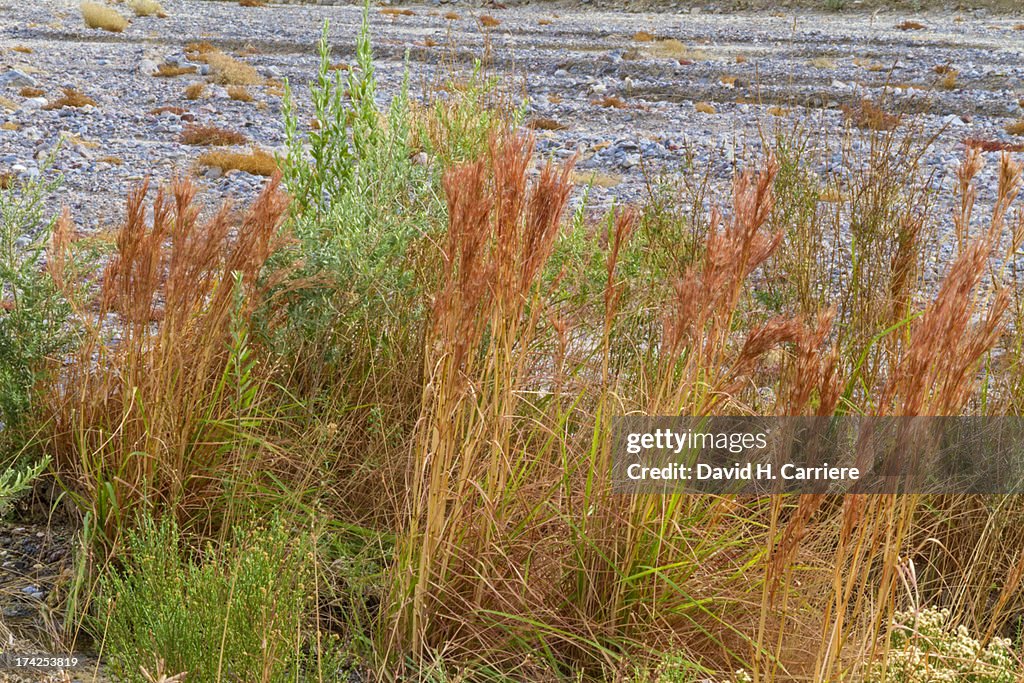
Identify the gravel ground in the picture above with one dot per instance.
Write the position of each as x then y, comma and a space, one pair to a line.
746, 66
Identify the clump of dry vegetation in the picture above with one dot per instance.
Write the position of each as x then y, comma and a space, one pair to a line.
451, 16
239, 93
167, 108
252, 3
705, 107
870, 116
545, 123
993, 145
10, 125
6, 180
741, 59
544, 22
487, 21
30, 91
397, 12
71, 98
171, 71
948, 80
226, 70
1015, 127
611, 102
100, 16
194, 91
671, 48
256, 161
24, 49
909, 25
643, 37
823, 62
195, 49
147, 8
776, 110
208, 134
8, 103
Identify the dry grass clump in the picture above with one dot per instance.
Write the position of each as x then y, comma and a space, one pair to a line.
100, 16
252, 3
869, 64
397, 12
24, 49
705, 108
1015, 128
199, 48
870, 116
948, 80
147, 8
670, 48
340, 66
195, 91
174, 110
643, 37
239, 93
543, 123
909, 25
71, 98
1018, 27
6, 180
993, 145
741, 59
29, 91
554, 98
729, 80
226, 70
171, 71
776, 110
487, 21
611, 102
10, 125
544, 22
596, 179
823, 62
451, 16
429, 42
112, 160
7, 103
202, 134
256, 161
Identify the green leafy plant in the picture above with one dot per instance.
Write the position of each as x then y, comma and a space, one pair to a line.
233, 612
33, 312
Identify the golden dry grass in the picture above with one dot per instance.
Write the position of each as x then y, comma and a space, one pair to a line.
195, 91
397, 12
7, 103
256, 161
670, 48
239, 93
948, 80
174, 110
147, 8
554, 98
6, 180
823, 62
171, 71
451, 16
909, 25
729, 80
544, 22
29, 91
705, 107
1018, 27
226, 70
596, 179
251, 3
10, 125
993, 145
71, 98
643, 37
199, 48
776, 111
544, 123
611, 102
100, 16
24, 49
487, 21
1015, 128
210, 135
870, 116
112, 160
741, 59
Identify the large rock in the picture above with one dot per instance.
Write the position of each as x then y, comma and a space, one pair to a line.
16, 79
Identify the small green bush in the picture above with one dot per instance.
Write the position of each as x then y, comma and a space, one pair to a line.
33, 313
234, 612
925, 647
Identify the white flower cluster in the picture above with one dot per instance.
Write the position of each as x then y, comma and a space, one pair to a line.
926, 648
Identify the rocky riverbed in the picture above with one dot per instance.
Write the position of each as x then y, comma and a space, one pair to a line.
634, 94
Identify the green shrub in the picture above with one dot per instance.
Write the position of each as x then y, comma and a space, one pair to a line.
925, 647
234, 612
33, 313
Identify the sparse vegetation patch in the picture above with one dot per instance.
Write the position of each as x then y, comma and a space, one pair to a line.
100, 16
